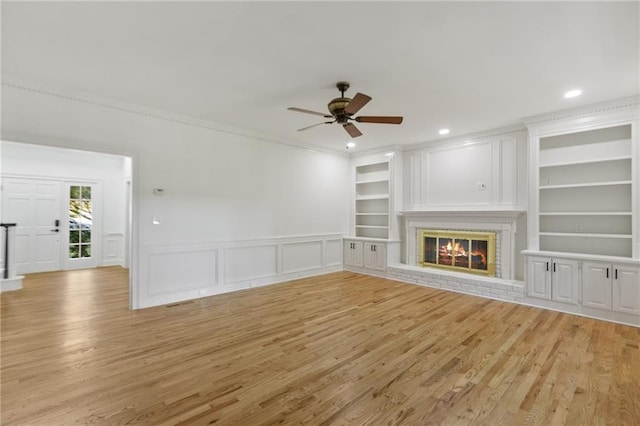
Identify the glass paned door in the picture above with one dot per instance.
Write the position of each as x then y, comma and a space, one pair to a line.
82, 234
80, 221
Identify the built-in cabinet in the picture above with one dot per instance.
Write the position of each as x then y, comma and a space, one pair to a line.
626, 289
369, 255
601, 285
373, 243
353, 254
611, 286
553, 279
597, 285
583, 250
375, 256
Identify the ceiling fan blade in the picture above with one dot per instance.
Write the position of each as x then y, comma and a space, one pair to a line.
358, 101
306, 111
352, 130
314, 125
379, 119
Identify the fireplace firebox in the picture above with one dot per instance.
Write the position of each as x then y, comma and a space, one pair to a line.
464, 251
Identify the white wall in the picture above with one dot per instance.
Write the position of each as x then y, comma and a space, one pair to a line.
487, 171
221, 190
19, 159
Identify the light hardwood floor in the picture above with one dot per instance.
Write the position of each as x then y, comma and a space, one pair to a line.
336, 349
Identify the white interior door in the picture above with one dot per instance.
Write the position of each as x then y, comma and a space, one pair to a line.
34, 204
81, 239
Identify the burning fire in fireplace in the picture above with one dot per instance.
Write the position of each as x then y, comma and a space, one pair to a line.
472, 252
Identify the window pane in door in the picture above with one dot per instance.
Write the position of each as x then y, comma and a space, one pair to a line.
85, 250
80, 221
74, 192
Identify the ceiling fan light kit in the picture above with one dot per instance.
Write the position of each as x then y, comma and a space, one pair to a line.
342, 109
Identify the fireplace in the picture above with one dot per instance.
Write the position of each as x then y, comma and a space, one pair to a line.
464, 251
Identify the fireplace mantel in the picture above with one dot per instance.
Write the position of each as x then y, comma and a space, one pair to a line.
501, 221
450, 212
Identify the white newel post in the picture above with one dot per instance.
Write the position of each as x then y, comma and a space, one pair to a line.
9, 280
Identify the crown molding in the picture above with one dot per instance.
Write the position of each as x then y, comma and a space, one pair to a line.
628, 104
153, 114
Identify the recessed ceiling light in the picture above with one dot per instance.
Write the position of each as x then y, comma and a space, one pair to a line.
573, 93
389, 154
351, 145
443, 131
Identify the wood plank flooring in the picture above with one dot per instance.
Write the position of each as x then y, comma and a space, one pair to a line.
336, 349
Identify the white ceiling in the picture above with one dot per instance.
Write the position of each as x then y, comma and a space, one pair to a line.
467, 66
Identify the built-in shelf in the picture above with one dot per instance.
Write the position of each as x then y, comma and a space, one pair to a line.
592, 160
583, 253
361, 182
567, 149
373, 197
581, 234
372, 200
584, 191
586, 185
585, 213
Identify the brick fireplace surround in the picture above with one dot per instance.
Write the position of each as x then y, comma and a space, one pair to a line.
503, 286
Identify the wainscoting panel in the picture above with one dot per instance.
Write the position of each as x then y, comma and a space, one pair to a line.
249, 263
113, 249
333, 252
301, 256
174, 273
173, 270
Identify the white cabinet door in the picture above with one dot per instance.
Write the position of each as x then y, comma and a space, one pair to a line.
626, 289
596, 285
539, 277
381, 257
353, 253
564, 281
375, 256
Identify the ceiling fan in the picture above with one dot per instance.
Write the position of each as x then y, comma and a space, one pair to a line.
341, 110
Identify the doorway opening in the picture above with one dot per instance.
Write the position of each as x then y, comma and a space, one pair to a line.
72, 208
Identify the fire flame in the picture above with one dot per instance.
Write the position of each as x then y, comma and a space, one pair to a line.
458, 250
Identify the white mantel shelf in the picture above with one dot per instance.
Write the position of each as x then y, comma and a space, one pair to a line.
506, 213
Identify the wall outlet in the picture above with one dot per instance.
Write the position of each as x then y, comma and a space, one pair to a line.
481, 186
202, 292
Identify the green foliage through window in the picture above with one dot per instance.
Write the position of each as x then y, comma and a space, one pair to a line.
80, 221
